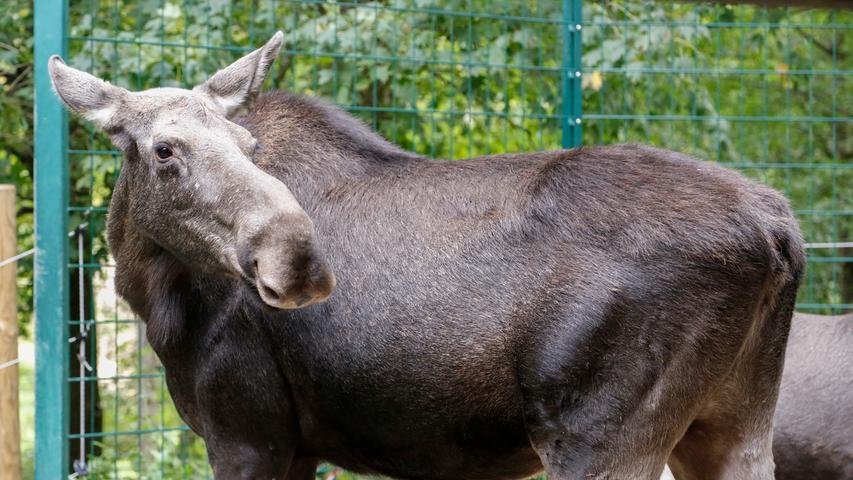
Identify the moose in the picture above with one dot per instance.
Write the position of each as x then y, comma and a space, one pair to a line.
813, 425
316, 293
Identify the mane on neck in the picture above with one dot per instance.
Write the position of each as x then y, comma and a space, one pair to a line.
312, 132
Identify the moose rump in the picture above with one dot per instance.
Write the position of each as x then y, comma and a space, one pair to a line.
594, 312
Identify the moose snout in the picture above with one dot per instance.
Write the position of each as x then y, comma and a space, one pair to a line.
292, 281
286, 266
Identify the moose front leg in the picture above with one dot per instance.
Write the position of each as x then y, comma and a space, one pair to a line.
248, 439
302, 469
246, 415
242, 460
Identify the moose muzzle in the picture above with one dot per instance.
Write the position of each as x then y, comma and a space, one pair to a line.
280, 257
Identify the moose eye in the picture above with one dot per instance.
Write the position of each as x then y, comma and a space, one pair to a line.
163, 152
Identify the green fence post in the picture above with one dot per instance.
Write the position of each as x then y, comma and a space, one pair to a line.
51, 277
572, 53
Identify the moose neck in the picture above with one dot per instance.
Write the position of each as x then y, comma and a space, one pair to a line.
314, 147
150, 279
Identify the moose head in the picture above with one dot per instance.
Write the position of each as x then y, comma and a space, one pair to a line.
189, 184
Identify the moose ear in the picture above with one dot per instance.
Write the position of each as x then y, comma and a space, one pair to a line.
237, 85
83, 93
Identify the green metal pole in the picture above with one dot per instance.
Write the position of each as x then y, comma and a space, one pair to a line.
572, 93
51, 277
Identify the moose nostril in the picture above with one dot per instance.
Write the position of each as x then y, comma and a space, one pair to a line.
268, 292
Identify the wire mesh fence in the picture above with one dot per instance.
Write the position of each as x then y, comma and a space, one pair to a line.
766, 91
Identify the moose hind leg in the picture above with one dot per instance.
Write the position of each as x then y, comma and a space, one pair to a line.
732, 435
725, 448
605, 404
564, 460
608, 434
611, 384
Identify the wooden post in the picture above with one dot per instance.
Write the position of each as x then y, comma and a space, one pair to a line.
10, 429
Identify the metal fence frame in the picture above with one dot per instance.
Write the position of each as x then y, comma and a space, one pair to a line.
51, 218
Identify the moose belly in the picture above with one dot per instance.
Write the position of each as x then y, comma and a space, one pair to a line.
416, 408
435, 444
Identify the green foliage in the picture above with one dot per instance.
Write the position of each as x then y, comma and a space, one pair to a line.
759, 90
16, 143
